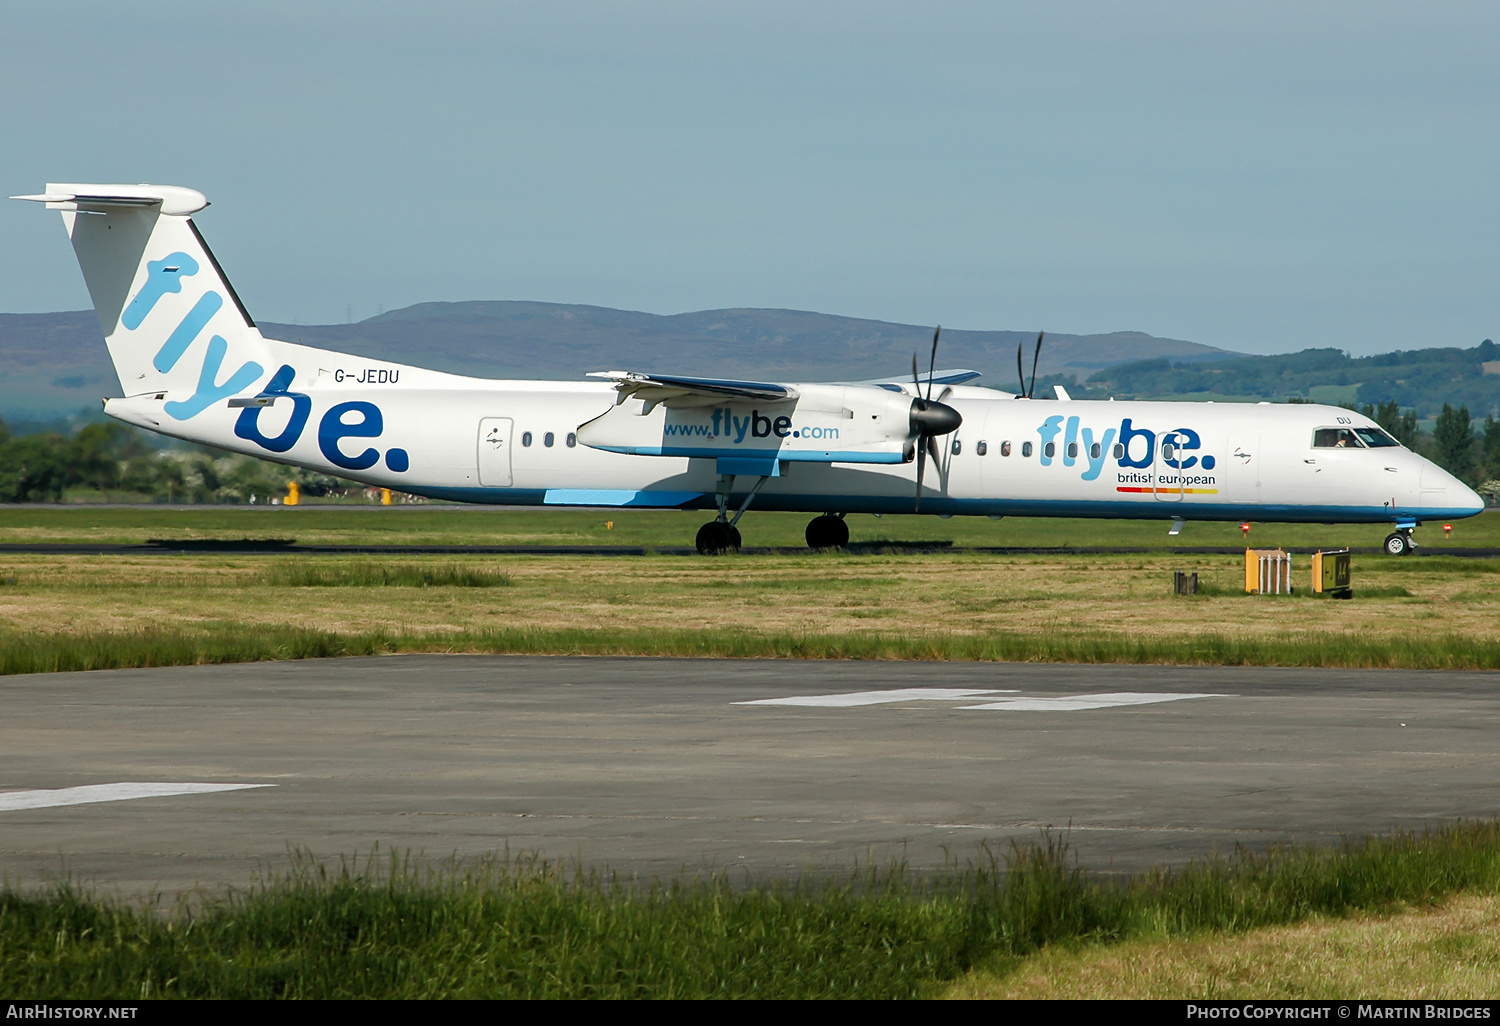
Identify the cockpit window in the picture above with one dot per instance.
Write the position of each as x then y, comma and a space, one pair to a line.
1336, 438
1375, 438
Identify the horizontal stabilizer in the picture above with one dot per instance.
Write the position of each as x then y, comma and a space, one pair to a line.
170, 199
655, 388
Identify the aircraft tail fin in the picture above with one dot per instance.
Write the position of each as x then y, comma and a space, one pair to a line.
172, 321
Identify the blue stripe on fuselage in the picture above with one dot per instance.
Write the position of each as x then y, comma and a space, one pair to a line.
820, 503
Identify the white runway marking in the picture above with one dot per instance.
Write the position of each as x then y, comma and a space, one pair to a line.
855, 698
1064, 703
1073, 703
13, 801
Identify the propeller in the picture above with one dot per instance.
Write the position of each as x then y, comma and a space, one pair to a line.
929, 418
1027, 392
932, 363
1036, 355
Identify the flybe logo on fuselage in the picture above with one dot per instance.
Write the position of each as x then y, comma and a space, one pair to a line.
1169, 457
341, 421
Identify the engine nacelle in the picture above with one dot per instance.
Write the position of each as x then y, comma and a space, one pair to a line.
821, 424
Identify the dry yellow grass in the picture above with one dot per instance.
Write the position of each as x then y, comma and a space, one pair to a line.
1448, 952
954, 594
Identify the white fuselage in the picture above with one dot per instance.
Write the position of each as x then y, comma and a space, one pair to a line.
480, 440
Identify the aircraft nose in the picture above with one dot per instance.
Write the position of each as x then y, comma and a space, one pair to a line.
1471, 500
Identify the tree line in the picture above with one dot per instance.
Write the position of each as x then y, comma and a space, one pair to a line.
115, 463
1422, 380
1468, 450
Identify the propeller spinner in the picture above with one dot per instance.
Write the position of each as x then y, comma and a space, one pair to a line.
929, 418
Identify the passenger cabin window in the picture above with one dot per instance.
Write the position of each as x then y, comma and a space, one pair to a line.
547, 439
1375, 438
1168, 450
981, 447
1004, 448
958, 447
1026, 449
1119, 451
526, 438
1072, 450
1095, 450
572, 439
1336, 438
1049, 450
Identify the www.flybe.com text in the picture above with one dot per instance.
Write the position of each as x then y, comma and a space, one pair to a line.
757, 425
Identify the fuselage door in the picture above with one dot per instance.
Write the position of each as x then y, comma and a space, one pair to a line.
494, 452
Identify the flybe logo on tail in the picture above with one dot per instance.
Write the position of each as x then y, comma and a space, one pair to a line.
339, 424
162, 276
165, 276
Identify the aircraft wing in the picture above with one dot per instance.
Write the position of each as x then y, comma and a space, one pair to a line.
901, 383
657, 388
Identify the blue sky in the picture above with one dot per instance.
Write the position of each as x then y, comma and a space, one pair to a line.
1263, 177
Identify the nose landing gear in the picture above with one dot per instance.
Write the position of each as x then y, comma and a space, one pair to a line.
1399, 543
827, 532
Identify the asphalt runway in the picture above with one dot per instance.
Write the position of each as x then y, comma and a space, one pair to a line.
654, 766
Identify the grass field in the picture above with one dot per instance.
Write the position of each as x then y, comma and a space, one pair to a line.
82, 611
423, 525
1449, 951
523, 929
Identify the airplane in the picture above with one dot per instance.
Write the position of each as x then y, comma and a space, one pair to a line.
193, 365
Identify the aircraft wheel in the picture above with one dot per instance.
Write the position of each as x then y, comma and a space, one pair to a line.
715, 539
1398, 544
827, 533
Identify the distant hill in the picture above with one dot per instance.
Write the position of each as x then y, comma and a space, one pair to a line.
51, 364
1416, 379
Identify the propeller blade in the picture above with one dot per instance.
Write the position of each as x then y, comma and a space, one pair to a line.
921, 468
936, 452
916, 377
1021, 369
932, 364
1034, 357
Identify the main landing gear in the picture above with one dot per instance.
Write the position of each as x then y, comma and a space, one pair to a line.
827, 532
1399, 543
717, 537
721, 535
